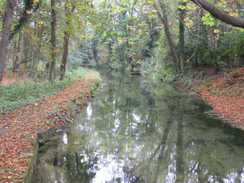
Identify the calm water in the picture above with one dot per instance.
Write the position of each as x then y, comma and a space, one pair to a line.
137, 131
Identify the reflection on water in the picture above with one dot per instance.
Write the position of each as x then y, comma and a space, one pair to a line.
139, 131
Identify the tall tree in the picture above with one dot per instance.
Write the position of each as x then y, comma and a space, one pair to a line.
162, 14
30, 6
66, 40
182, 13
7, 22
53, 41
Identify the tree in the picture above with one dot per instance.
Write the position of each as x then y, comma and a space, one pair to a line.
30, 7
7, 22
162, 14
66, 40
53, 41
215, 12
182, 13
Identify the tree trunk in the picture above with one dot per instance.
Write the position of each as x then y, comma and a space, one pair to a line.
66, 42
164, 19
34, 54
53, 42
7, 22
182, 13
95, 50
18, 56
29, 6
65, 55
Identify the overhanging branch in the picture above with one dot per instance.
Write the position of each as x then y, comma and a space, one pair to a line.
217, 13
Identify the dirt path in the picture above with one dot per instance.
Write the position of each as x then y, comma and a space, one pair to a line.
19, 128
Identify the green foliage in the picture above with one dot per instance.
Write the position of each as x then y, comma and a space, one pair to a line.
168, 75
126, 34
208, 85
74, 74
94, 89
165, 70
230, 46
207, 19
235, 42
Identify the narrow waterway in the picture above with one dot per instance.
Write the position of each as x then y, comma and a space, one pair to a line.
136, 131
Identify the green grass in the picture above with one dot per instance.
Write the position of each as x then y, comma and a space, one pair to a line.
208, 85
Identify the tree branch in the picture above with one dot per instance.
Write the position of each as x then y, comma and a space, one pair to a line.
215, 12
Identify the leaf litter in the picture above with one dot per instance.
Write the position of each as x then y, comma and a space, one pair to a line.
227, 99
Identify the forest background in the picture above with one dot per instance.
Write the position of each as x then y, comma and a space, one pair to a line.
164, 39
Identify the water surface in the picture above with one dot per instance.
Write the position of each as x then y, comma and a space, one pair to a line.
136, 131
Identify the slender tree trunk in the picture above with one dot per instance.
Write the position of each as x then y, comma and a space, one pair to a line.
29, 6
18, 54
164, 19
182, 13
15, 55
94, 49
86, 54
65, 55
66, 42
53, 41
7, 22
34, 54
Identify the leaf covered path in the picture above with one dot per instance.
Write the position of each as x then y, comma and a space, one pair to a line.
226, 99
19, 128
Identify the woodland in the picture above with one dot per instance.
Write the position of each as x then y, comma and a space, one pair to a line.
164, 39
45, 45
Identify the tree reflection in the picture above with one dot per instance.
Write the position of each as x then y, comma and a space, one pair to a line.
140, 131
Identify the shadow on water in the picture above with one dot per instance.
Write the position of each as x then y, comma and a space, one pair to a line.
145, 132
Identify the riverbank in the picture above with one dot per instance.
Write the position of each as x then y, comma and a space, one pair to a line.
20, 128
225, 93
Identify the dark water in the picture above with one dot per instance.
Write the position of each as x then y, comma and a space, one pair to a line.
137, 131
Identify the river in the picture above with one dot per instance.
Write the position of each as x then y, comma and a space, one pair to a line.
139, 131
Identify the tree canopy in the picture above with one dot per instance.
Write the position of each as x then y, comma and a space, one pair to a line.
155, 36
